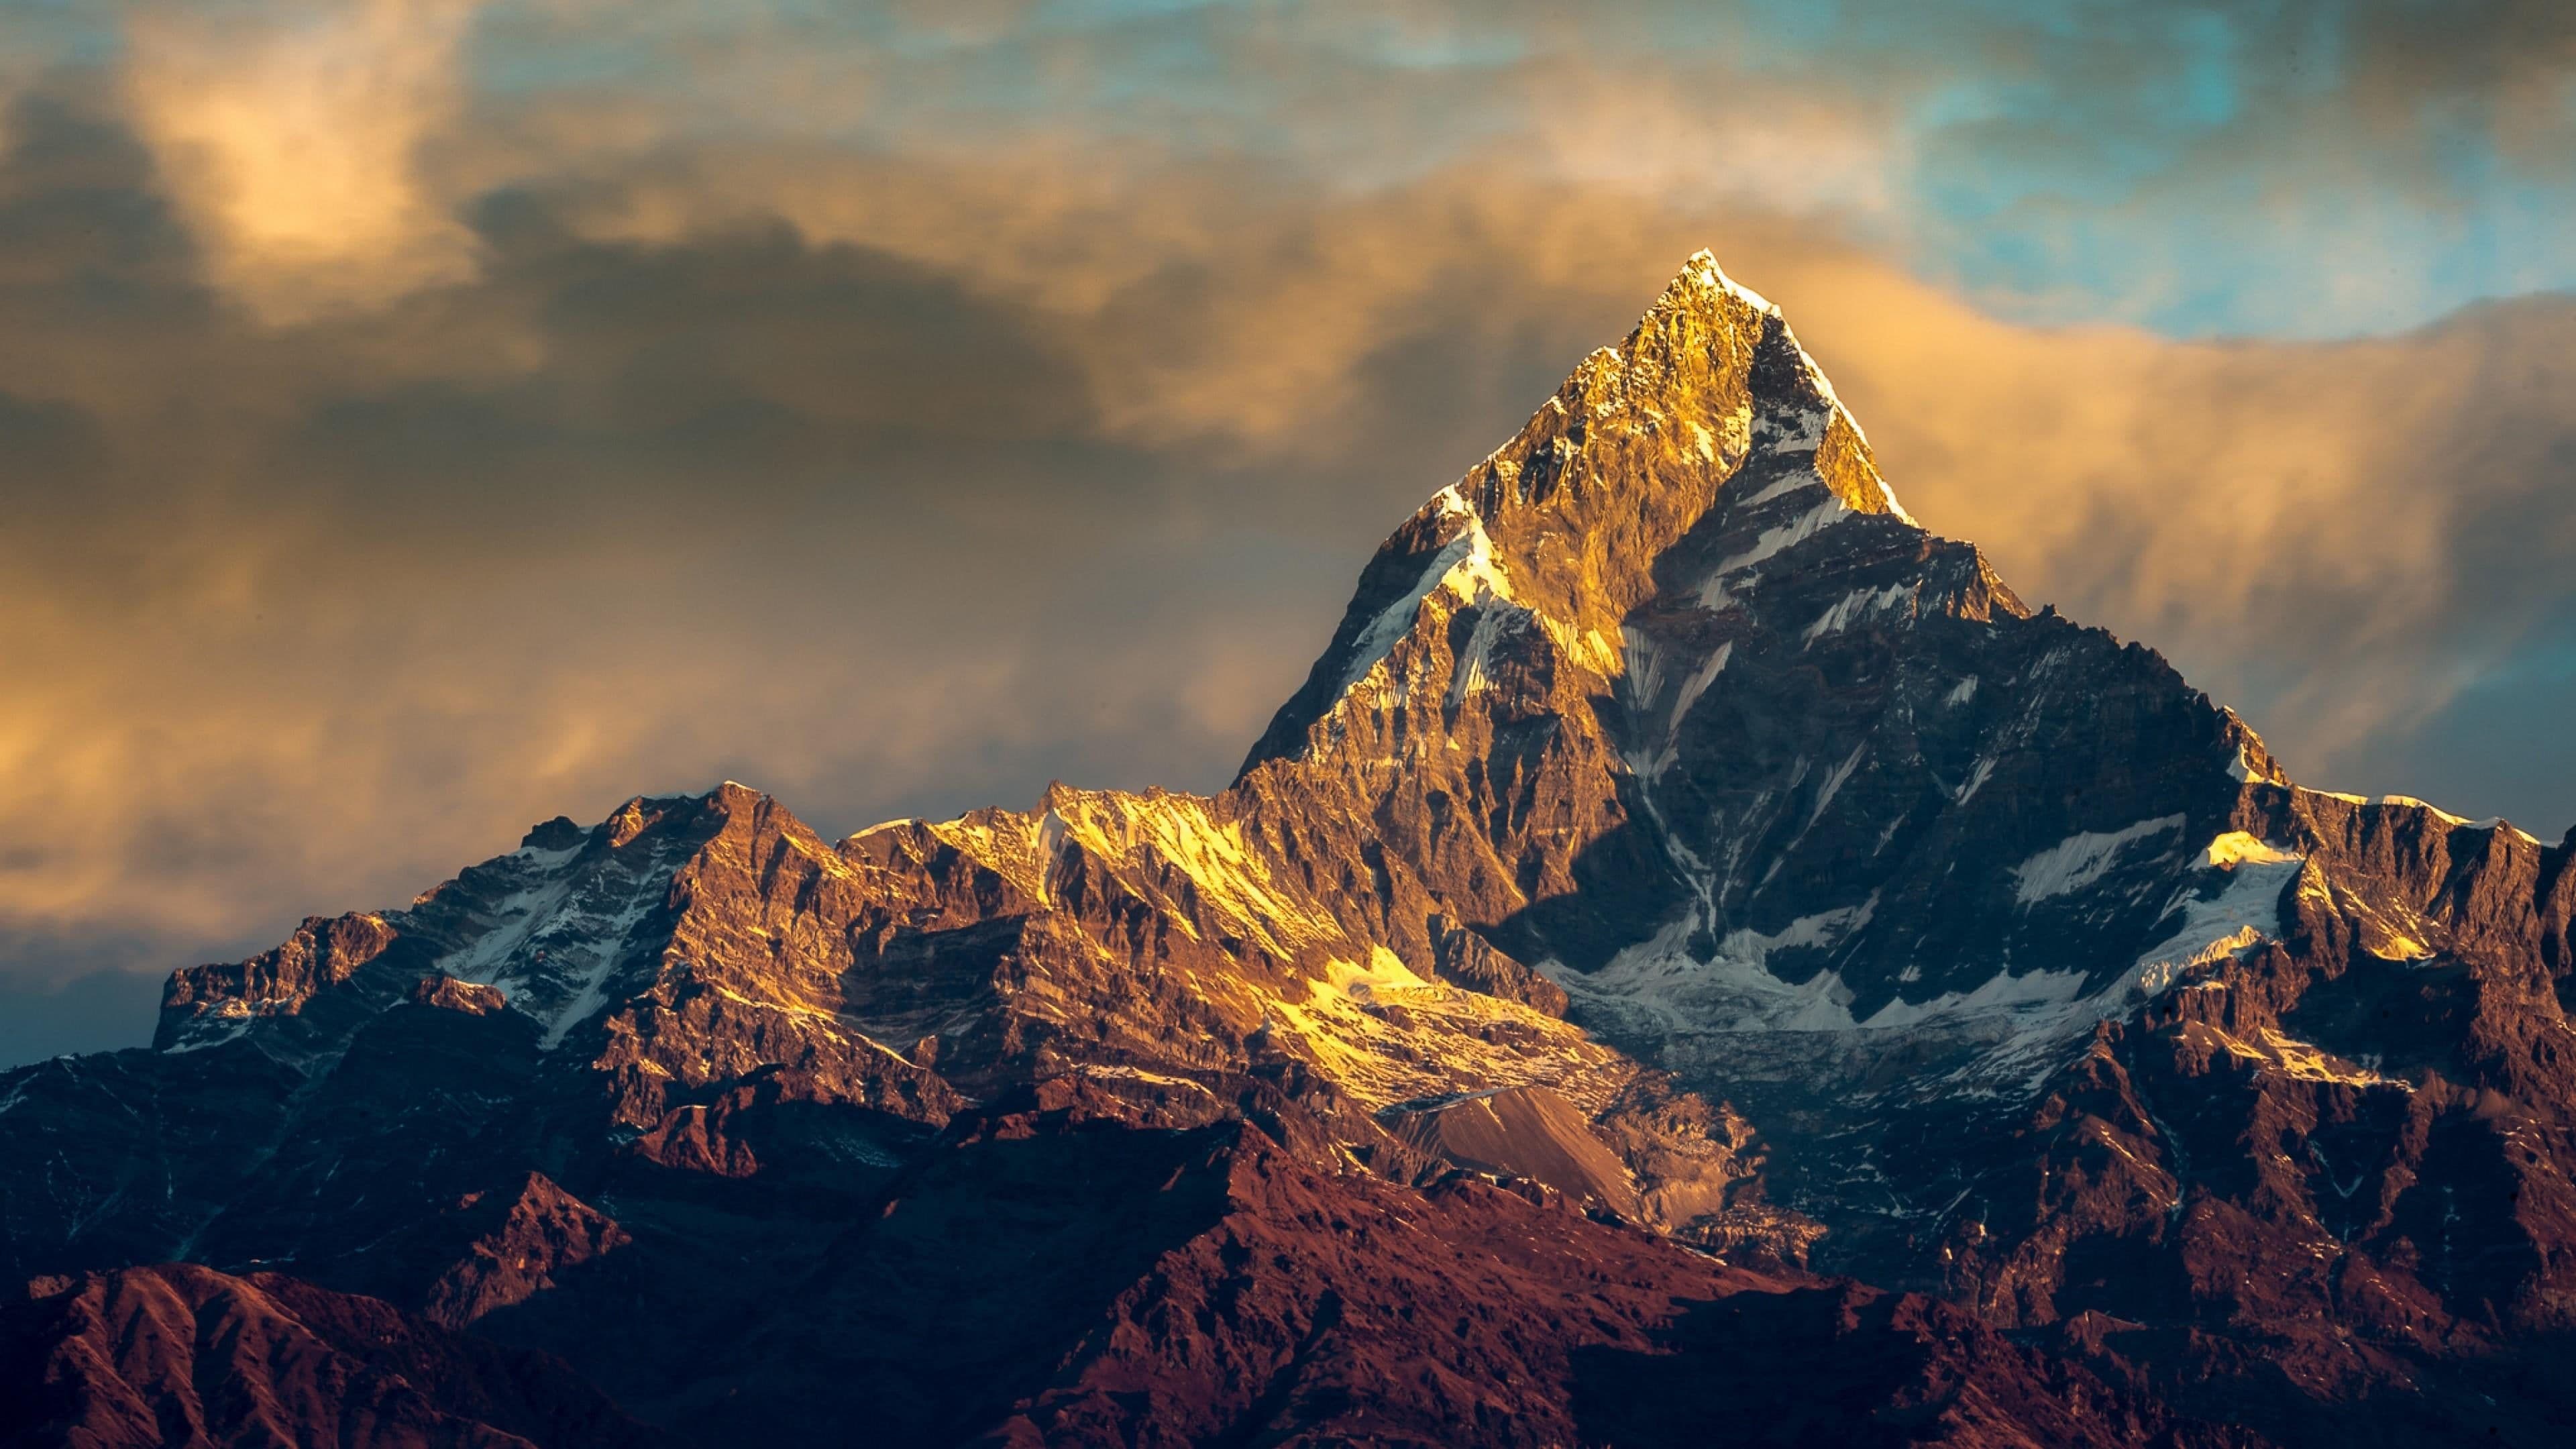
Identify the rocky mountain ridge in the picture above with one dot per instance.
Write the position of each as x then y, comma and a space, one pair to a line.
1679, 861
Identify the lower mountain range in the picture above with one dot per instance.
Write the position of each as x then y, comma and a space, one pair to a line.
1699, 961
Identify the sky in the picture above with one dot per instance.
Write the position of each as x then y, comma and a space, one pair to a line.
420, 418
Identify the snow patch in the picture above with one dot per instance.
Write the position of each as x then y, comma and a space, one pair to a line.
2236, 847
1643, 665
2079, 860
553, 944
1769, 544
1833, 785
1465, 566
1472, 671
1798, 432
1799, 480
1658, 983
1702, 267
1734, 990
1700, 680
2498, 822
2413, 803
2244, 911
2011, 1030
2002, 991
1855, 606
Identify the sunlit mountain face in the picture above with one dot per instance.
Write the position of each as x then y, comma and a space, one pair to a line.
1699, 947
2040, 919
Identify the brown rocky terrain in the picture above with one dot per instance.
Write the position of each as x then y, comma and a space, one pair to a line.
180, 1354
1681, 874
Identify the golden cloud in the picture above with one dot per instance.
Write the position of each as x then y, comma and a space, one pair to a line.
291, 137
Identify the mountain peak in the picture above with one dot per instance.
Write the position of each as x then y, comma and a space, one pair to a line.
1708, 409
1701, 281
1701, 308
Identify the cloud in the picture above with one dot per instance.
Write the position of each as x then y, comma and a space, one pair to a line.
2361, 165
292, 137
2312, 530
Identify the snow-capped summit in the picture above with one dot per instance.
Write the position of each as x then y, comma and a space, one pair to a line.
1707, 421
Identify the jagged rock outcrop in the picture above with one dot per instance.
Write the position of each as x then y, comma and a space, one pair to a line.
1675, 844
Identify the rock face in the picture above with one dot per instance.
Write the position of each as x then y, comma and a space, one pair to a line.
177, 1354
1525, 1132
1680, 872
